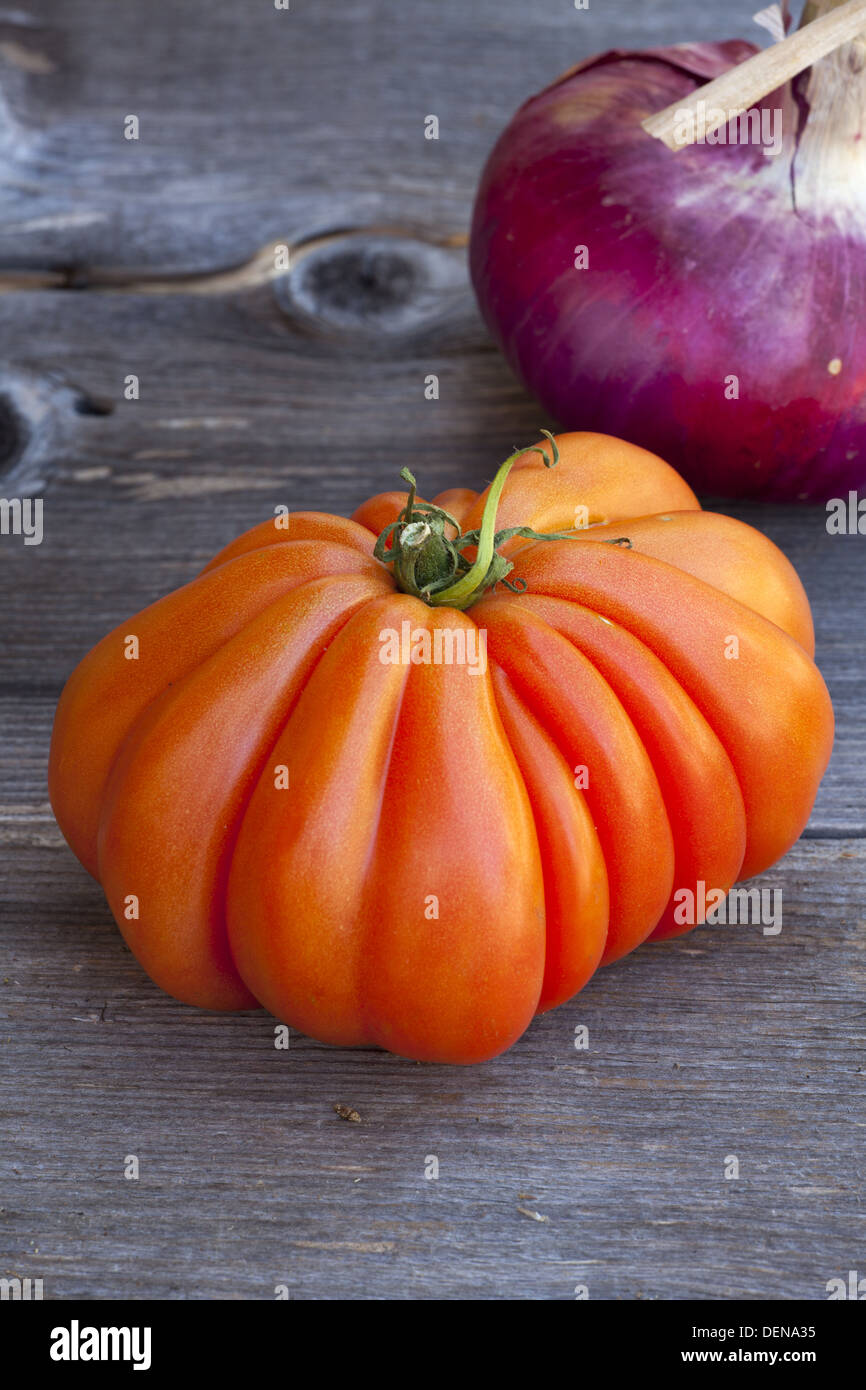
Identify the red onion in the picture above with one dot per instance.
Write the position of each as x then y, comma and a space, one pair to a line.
721, 321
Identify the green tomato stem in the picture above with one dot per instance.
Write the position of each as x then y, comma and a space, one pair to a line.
431, 565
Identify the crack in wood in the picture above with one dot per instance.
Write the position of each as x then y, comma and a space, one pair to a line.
259, 269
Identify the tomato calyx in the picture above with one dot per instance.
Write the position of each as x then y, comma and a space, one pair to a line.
432, 565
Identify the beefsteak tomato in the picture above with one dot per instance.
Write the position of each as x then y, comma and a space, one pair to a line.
412, 790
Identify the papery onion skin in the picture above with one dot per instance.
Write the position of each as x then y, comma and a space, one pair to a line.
700, 270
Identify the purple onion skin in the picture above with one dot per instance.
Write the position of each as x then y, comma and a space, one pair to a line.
699, 270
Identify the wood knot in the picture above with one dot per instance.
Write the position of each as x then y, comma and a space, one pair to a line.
37, 431
13, 437
373, 285
362, 282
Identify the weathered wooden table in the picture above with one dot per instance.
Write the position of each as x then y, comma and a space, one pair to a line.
557, 1167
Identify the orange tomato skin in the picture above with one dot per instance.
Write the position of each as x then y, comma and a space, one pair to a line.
351, 911
576, 885
730, 556
178, 788
107, 692
596, 480
587, 722
297, 526
764, 697
701, 793
423, 854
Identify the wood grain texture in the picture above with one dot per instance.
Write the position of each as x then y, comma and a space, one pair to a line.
145, 258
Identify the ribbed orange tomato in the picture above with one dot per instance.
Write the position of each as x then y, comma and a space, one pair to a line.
311, 779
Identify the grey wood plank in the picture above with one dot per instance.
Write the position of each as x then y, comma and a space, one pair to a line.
256, 124
259, 126
724, 1042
